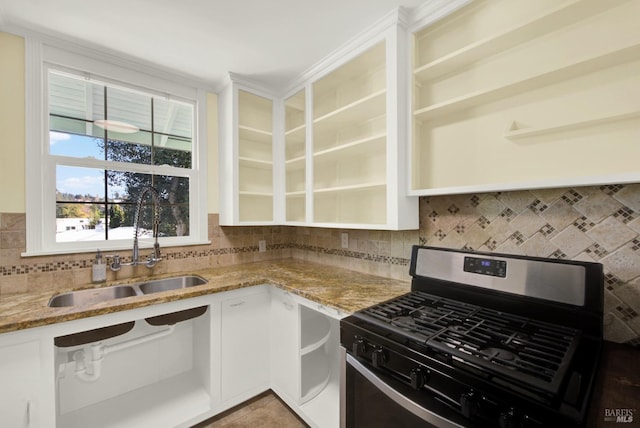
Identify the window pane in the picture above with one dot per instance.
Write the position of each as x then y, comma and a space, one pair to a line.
172, 142
123, 151
129, 107
173, 118
79, 222
124, 187
75, 126
174, 220
174, 201
166, 155
74, 97
81, 146
75, 184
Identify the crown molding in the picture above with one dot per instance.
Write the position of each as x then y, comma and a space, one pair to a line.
257, 87
111, 56
433, 10
346, 50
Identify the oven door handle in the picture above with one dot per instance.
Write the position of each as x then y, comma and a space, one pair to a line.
398, 398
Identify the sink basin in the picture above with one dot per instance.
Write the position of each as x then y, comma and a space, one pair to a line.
97, 295
92, 296
156, 286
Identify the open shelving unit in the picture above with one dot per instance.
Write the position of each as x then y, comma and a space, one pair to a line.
295, 157
497, 73
350, 142
255, 158
331, 151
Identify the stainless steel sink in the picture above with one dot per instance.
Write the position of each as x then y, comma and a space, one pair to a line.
156, 286
97, 295
92, 296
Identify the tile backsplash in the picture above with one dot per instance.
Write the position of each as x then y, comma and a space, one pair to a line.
597, 223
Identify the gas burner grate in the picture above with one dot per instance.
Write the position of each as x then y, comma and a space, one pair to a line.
525, 351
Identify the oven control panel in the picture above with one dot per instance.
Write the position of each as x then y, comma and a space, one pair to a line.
486, 266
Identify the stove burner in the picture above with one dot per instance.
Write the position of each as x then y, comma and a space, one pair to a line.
510, 346
401, 321
498, 353
458, 328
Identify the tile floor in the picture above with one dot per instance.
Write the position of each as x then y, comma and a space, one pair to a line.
266, 410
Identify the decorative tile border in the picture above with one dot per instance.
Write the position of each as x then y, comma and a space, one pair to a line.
87, 263
399, 261
596, 223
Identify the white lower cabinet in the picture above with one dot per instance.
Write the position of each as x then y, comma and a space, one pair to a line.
305, 357
244, 345
26, 395
319, 355
285, 363
174, 364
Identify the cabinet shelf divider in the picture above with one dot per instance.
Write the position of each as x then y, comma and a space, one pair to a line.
354, 109
350, 145
529, 83
350, 188
516, 134
540, 24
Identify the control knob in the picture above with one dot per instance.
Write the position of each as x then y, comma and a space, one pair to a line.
378, 358
358, 347
418, 377
509, 419
470, 404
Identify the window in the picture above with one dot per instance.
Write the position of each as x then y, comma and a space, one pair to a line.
104, 140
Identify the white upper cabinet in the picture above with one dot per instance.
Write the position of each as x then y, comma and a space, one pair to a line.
526, 94
350, 142
295, 158
359, 175
357, 172
246, 156
332, 151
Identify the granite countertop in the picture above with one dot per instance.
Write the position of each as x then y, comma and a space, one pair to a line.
346, 290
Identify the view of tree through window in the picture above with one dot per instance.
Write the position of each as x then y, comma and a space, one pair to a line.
109, 144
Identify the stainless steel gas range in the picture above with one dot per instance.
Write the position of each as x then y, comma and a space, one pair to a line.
482, 339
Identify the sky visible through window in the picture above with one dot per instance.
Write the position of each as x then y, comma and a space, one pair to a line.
83, 181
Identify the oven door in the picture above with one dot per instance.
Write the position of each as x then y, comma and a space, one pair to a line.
370, 400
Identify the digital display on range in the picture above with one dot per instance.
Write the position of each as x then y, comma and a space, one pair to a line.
484, 266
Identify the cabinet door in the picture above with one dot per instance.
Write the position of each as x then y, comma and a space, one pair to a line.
284, 346
19, 384
245, 345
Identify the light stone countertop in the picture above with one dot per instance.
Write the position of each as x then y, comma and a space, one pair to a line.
346, 290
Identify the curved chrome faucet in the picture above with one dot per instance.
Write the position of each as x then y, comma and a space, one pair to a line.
155, 256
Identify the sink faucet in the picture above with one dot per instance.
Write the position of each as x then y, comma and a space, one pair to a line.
155, 257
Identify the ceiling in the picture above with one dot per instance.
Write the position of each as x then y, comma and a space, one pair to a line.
269, 41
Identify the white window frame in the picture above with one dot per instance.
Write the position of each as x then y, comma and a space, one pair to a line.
40, 167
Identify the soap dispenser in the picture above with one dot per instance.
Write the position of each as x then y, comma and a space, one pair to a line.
99, 271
